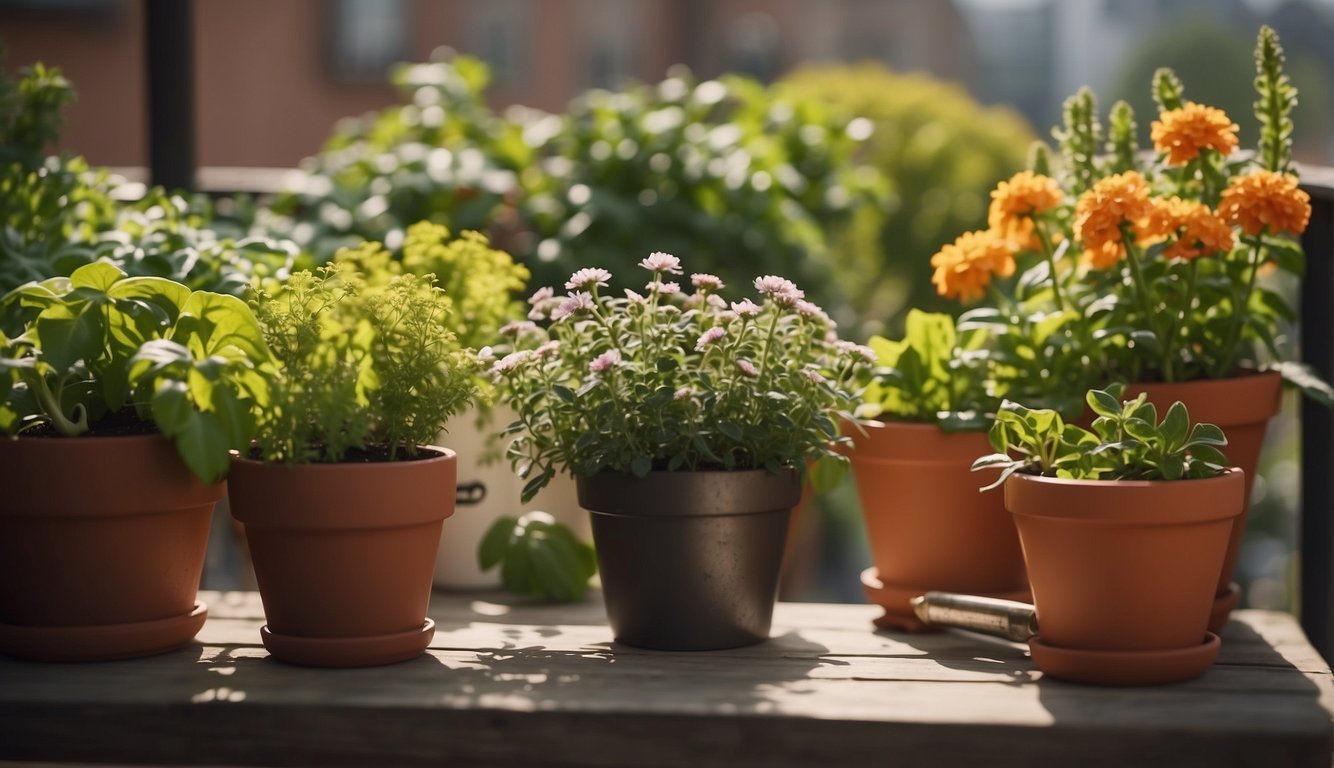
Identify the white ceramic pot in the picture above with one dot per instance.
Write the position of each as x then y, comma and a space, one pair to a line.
456, 560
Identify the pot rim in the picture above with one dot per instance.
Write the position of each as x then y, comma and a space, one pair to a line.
1069, 481
442, 454
344, 496
909, 442
690, 493
1117, 502
1246, 398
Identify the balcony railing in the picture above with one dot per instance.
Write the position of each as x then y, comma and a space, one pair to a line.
1316, 509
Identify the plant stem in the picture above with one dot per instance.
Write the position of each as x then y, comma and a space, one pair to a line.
51, 404
1137, 279
1049, 253
1228, 358
1178, 322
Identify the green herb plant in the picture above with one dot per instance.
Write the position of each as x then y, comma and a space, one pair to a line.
362, 371
927, 377
480, 283
77, 349
538, 556
1127, 442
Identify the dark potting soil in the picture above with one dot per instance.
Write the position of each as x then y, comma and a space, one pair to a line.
118, 424
374, 454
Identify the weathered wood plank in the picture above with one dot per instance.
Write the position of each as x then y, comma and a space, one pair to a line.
507, 683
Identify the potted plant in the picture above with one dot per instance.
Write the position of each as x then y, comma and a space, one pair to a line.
686, 422
928, 411
1152, 271
1124, 529
342, 504
481, 283
105, 523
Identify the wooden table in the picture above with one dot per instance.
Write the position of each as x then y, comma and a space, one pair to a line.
512, 684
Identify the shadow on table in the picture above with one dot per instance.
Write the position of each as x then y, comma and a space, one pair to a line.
595, 676
1251, 708
972, 652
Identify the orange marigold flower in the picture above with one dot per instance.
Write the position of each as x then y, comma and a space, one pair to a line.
965, 267
1182, 133
1015, 202
1194, 229
1265, 201
1101, 212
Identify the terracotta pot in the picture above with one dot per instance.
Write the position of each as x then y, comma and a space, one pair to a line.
690, 560
1242, 407
102, 543
343, 554
928, 526
1124, 569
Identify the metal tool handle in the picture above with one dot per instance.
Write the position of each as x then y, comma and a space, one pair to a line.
1003, 618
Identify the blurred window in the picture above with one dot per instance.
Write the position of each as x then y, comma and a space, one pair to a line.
500, 33
369, 36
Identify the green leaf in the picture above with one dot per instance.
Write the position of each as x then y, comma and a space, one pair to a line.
167, 295
730, 430
826, 472
558, 568
172, 409
496, 542
516, 570
1307, 380
1172, 466
99, 275
1103, 403
992, 460
1206, 434
641, 465
66, 338
535, 484
210, 323
1209, 455
1175, 425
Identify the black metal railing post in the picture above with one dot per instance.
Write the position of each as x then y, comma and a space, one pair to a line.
1317, 427
169, 59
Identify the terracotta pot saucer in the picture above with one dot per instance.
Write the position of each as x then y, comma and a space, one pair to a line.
896, 600
349, 651
102, 642
1125, 667
1224, 604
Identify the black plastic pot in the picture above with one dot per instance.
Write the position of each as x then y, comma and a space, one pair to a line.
690, 560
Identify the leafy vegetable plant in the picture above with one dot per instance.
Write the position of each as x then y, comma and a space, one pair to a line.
538, 556
1128, 442
927, 377
78, 348
360, 369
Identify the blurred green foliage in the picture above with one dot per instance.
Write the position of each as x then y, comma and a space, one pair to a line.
57, 213
728, 174
442, 156
941, 153
1213, 57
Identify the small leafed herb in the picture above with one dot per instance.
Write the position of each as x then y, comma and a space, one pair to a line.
358, 366
1127, 443
538, 556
